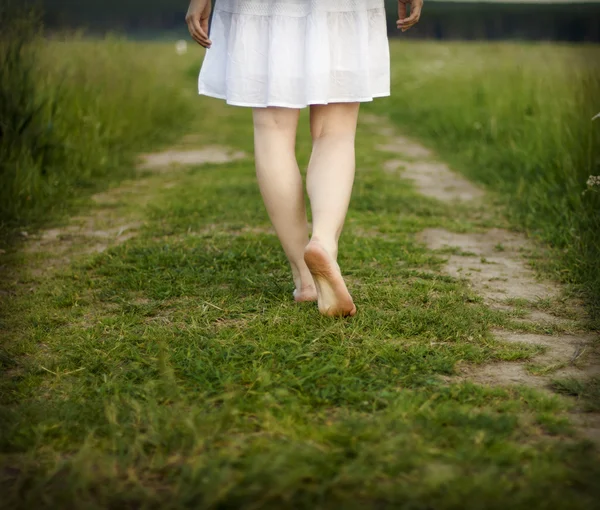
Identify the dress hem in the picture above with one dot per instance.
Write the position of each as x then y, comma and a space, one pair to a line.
295, 106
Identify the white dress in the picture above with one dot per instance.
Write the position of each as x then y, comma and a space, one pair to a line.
294, 53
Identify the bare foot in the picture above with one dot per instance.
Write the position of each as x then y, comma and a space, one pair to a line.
305, 295
334, 298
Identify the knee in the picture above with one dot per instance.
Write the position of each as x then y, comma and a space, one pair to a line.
332, 132
279, 119
334, 121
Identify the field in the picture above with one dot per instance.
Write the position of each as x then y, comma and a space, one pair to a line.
153, 356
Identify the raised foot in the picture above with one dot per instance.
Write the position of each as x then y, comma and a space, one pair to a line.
333, 296
307, 294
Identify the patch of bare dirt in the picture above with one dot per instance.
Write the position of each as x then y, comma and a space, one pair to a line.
60, 238
565, 356
503, 374
575, 356
357, 231
128, 190
57, 247
492, 262
432, 178
404, 147
394, 143
436, 180
530, 316
549, 320
162, 161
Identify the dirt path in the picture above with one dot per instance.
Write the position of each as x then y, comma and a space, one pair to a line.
495, 265
118, 214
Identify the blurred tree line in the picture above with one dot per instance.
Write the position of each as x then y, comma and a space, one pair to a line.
441, 19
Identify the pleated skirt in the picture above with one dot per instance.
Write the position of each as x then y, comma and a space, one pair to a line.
294, 53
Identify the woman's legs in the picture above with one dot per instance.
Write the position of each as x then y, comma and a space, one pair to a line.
281, 187
329, 184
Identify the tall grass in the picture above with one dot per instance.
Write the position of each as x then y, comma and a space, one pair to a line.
73, 112
516, 117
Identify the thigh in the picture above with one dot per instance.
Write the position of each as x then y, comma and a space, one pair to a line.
333, 119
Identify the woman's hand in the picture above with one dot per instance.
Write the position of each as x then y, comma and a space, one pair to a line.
403, 22
197, 20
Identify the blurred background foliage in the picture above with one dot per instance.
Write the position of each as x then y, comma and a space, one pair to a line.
465, 20
72, 115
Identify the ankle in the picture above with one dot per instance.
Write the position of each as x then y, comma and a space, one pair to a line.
302, 276
331, 246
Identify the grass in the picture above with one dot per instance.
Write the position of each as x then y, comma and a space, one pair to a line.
74, 114
517, 118
174, 370
587, 392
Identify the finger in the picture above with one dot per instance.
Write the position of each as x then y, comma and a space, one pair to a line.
199, 34
204, 25
202, 41
404, 27
401, 10
202, 37
196, 36
412, 19
408, 24
202, 31
192, 31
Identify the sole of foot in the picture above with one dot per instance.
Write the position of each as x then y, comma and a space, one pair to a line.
305, 295
333, 296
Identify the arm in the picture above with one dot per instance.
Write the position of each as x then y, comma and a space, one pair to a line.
197, 20
404, 23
